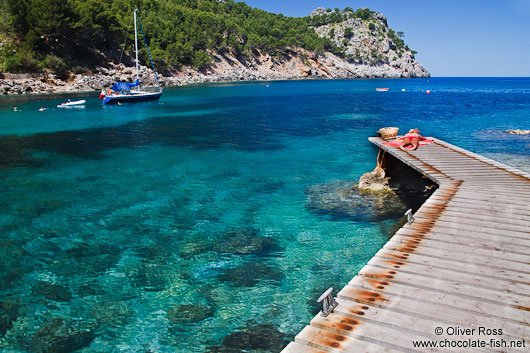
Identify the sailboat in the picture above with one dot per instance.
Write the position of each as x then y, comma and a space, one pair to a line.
125, 92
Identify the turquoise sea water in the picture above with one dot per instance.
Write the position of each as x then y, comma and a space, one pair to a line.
210, 221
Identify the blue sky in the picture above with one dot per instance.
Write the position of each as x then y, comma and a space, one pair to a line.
453, 38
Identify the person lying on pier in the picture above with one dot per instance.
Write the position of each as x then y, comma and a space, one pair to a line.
410, 141
412, 138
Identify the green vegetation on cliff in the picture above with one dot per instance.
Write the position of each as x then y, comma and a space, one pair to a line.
61, 35
76, 35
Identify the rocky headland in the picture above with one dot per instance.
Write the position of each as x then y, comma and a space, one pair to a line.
371, 51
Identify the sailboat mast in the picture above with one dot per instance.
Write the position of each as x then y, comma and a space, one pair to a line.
136, 45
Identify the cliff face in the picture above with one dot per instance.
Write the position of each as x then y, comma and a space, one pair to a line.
371, 44
372, 50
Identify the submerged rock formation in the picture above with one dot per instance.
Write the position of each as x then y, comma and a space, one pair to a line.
344, 200
189, 313
384, 193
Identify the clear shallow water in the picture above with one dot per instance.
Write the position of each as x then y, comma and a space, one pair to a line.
208, 221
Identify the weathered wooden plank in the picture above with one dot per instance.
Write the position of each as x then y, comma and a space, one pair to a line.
501, 215
495, 214
478, 201
463, 265
449, 285
474, 277
295, 347
498, 194
440, 308
485, 228
397, 319
455, 163
440, 228
394, 337
436, 305
495, 189
492, 182
463, 171
333, 342
483, 200
472, 172
449, 161
477, 156
471, 207
403, 240
483, 180
513, 245
508, 222
405, 245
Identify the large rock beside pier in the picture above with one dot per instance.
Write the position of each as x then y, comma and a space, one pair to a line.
376, 180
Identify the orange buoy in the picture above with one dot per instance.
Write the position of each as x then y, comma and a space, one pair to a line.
428, 92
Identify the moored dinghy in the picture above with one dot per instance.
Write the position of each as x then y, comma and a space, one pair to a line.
72, 104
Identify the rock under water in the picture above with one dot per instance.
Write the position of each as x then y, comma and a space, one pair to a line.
112, 313
257, 338
343, 199
60, 335
250, 274
52, 291
246, 241
9, 311
189, 313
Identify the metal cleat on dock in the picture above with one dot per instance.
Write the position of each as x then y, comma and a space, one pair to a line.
410, 218
328, 304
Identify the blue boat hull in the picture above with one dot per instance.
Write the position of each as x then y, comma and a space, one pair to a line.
131, 98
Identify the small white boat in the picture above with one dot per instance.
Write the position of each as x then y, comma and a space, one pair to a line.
72, 104
382, 89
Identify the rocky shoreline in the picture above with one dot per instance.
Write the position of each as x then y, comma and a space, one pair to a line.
226, 67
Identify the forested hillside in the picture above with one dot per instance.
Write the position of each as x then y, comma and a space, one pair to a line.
60, 35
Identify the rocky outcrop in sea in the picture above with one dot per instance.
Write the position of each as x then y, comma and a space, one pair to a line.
518, 132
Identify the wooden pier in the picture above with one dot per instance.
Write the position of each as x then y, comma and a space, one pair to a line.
459, 273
